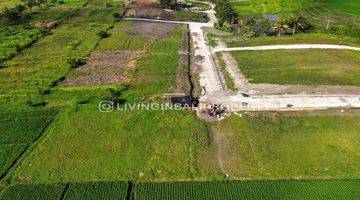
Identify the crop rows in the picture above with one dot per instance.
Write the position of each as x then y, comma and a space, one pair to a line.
337, 189
96, 190
23, 127
8, 154
319, 13
281, 189
17, 130
72, 191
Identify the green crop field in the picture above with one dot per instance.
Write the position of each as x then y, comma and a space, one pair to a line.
269, 6
8, 154
18, 129
343, 6
248, 190
23, 127
340, 12
33, 192
301, 67
326, 189
97, 190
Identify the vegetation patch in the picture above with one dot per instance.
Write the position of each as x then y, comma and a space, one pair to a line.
97, 190
24, 126
300, 67
277, 146
33, 192
248, 190
229, 81
123, 145
9, 153
236, 40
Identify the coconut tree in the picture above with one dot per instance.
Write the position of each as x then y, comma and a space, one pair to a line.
281, 26
300, 22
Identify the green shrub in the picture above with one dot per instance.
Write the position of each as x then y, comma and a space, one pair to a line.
224, 26
103, 34
75, 62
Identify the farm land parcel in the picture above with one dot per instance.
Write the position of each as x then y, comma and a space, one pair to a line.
56, 144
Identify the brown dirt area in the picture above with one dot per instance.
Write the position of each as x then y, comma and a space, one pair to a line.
152, 31
150, 11
102, 68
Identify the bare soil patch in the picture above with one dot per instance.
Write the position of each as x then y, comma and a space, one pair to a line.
104, 68
152, 31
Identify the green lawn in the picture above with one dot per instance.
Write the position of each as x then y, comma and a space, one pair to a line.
301, 67
307, 147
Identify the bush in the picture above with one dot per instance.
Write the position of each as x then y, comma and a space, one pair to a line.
224, 26
117, 16
35, 102
351, 31
109, 3
103, 34
115, 95
75, 62
16, 14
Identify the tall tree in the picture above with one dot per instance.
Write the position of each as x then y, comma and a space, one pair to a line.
225, 12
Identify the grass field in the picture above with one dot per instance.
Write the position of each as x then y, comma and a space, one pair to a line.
268, 146
236, 40
137, 145
300, 67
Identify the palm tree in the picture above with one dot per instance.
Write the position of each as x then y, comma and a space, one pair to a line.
299, 22
281, 26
